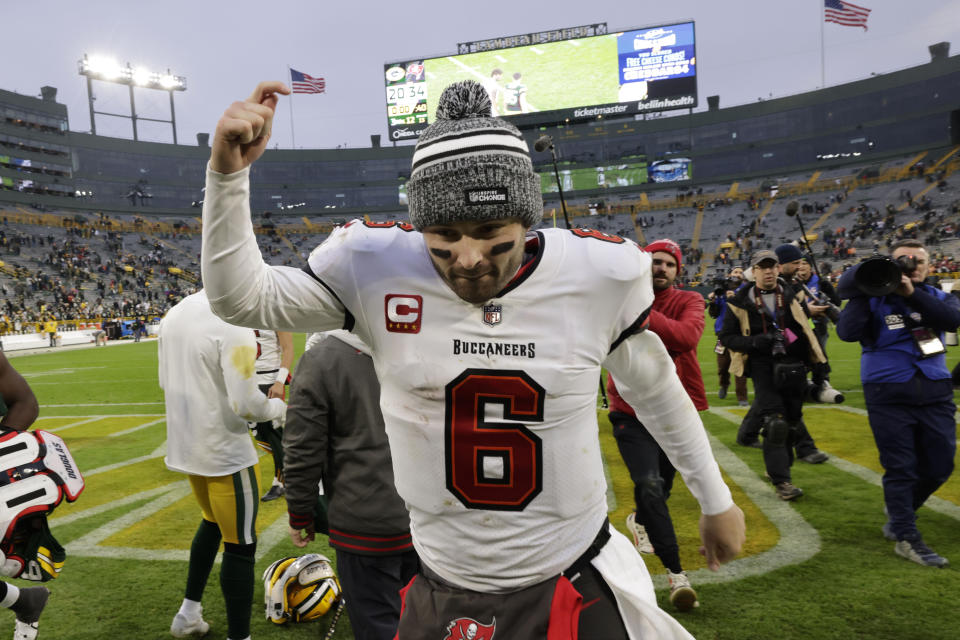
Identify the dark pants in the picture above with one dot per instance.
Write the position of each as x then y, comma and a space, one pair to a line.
723, 369
771, 403
752, 424
270, 438
371, 587
915, 430
652, 476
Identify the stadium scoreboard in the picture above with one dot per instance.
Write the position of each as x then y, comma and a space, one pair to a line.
613, 74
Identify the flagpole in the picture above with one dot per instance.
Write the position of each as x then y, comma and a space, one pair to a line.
293, 138
823, 75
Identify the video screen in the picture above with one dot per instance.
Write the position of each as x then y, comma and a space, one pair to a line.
615, 74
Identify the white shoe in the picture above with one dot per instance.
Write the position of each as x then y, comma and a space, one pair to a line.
184, 627
682, 595
24, 631
640, 539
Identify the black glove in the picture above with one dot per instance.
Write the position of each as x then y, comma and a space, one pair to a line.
821, 372
762, 343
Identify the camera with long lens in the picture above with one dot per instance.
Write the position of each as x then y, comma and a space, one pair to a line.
877, 276
908, 264
824, 393
779, 344
832, 312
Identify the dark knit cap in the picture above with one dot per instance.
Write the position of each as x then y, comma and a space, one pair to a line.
469, 165
788, 253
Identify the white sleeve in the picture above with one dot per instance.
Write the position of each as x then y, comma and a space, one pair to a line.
241, 287
647, 379
238, 356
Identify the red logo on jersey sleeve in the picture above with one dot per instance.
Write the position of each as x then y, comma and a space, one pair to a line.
403, 312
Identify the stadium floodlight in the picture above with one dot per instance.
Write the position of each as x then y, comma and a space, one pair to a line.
107, 69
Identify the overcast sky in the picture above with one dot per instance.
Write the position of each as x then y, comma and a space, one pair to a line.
745, 50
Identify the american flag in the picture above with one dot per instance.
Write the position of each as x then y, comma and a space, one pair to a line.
845, 13
302, 83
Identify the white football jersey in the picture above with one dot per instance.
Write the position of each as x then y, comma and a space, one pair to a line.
268, 356
491, 409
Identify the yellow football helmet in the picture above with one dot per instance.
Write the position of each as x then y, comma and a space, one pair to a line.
300, 589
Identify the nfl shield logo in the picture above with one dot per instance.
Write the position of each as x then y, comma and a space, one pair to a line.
492, 314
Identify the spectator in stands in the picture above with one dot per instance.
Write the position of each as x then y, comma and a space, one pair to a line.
908, 390
718, 305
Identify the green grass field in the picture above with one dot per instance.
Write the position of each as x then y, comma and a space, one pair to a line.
816, 568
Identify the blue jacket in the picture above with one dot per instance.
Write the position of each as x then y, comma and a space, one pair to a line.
883, 325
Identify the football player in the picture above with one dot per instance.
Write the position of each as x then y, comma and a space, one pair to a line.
20, 409
210, 391
515, 97
274, 359
488, 342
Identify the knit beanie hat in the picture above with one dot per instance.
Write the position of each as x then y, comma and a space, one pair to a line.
667, 246
469, 165
788, 253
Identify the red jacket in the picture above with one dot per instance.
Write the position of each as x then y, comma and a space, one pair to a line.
677, 317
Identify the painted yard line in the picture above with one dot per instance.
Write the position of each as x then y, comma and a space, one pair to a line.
799, 541
537, 51
89, 545
119, 502
500, 58
74, 424
105, 415
944, 507
159, 452
100, 404
136, 428
272, 536
856, 410
58, 372
467, 68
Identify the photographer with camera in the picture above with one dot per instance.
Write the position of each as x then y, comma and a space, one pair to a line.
819, 290
900, 323
725, 288
766, 328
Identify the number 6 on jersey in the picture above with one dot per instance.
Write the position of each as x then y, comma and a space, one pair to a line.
493, 465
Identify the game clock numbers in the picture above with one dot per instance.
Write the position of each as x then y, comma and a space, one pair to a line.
406, 93
407, 104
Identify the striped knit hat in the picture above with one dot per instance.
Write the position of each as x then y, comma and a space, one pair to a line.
469, 165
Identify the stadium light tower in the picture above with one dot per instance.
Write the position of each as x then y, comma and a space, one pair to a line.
109, 70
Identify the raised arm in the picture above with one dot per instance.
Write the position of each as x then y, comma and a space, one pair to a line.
242, 289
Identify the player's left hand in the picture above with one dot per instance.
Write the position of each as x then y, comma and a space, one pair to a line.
301, 537
723, 536
276, 390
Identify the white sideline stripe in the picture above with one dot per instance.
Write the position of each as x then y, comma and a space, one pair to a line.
136, 428
74, 424
100, 404
119, 502
798, 542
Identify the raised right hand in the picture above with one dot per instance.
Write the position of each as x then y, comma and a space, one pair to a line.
244, 129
